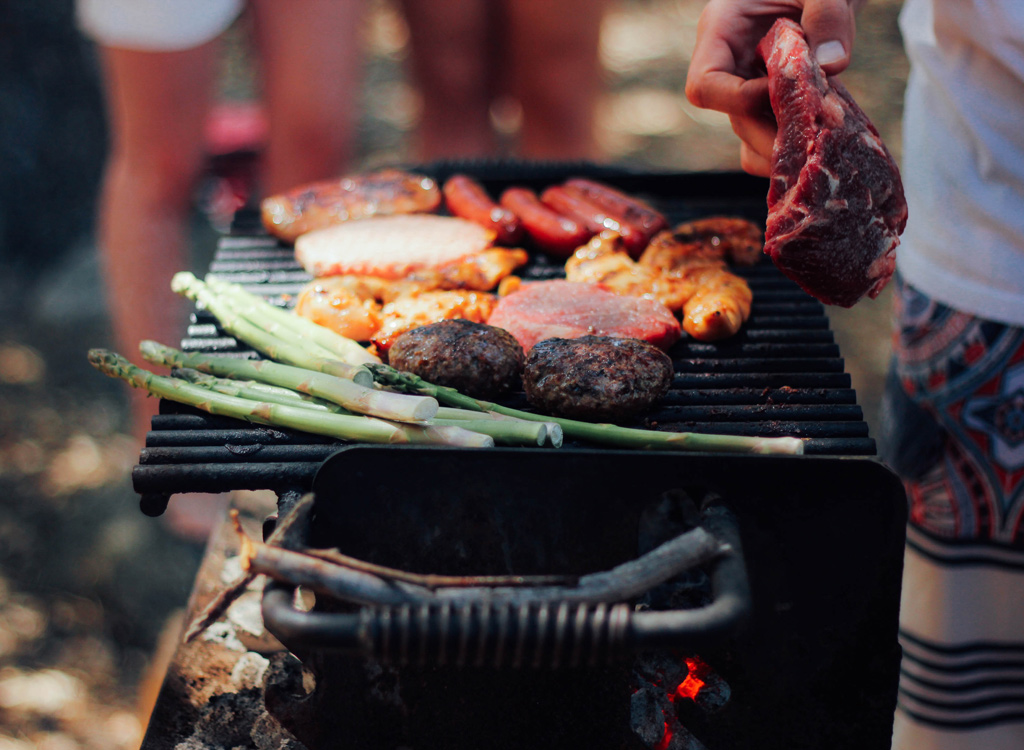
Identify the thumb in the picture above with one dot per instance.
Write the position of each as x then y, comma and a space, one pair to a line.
829, 27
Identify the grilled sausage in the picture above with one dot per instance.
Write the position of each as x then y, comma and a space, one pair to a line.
327, 203
622, 207
576, 206
466, 198
555, 234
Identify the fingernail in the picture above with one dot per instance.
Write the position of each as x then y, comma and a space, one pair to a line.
830, 52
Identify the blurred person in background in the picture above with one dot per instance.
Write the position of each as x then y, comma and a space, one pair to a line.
160, 62
527, 63
953, 415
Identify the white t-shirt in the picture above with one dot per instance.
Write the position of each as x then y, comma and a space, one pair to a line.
156, 25
963, 155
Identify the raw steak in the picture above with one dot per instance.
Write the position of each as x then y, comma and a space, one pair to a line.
391, 247
568, 310
835, 204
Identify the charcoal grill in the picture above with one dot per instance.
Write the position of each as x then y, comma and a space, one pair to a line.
810, 656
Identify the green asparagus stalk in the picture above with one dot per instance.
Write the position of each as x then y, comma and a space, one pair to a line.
504, 431
516, 432
605, 434
344, 427
255, 391
275, 347
285, 324
345, 393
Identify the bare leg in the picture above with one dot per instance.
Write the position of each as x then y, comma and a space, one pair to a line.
311, 62
554, 71
451, 67
157, 102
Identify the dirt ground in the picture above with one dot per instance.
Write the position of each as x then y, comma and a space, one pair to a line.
87, 583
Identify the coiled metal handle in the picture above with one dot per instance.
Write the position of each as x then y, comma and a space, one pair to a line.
499, 635
531, 632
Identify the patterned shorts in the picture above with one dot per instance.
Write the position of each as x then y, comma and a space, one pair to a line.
955, 421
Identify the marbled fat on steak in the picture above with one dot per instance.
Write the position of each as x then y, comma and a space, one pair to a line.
835, 203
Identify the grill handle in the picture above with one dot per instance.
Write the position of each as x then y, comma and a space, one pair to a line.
547, 634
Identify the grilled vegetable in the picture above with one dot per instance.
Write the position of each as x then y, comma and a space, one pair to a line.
604, 434
344, 427
504, 430
309, 354
352, 396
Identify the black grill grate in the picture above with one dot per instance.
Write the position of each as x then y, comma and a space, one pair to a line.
781, 375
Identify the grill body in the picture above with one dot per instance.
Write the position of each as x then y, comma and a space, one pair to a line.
815, 664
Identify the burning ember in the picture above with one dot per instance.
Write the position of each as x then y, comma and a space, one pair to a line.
690, 687
662, 685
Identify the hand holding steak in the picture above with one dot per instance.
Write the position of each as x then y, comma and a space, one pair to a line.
835, 204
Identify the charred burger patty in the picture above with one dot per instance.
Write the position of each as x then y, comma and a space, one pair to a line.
596, 378
476, 359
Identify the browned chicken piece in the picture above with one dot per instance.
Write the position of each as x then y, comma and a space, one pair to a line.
713, 301
716, 238
605, 260
720, 305
351, 305
363, 307
422, 308
481, 272
329, 202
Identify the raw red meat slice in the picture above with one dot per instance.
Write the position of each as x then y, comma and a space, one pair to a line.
835, 204
569, 310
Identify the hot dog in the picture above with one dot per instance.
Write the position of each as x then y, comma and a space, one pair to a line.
623, 207
554, 233
575, 205
466, 198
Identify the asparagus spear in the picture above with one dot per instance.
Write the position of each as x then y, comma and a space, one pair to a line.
505, 431
605, 434
255, 391
341, 391
341, 426
275, 347
276, 321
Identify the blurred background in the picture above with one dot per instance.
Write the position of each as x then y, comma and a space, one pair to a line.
89, 587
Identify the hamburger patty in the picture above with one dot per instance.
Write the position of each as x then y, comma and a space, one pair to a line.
476, 359
596, 378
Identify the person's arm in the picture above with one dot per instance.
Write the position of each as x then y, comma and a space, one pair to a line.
725, 73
